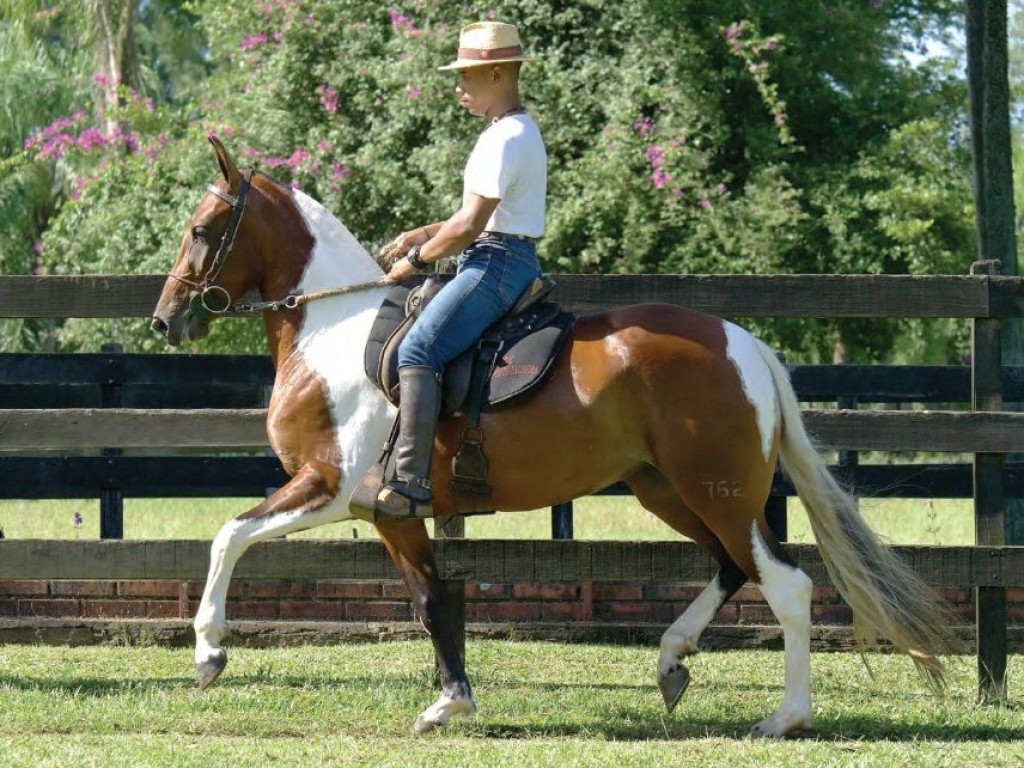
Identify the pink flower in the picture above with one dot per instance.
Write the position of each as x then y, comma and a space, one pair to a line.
91, 138
253, 41
328, 98
414, 93
705, 203
659, 178
299, 156
37, 246
398, 19
643, 126
339, 171
655, 154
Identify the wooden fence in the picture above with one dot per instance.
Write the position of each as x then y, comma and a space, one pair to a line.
80, 424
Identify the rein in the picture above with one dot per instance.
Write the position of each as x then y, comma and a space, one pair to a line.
212, 300
296, 300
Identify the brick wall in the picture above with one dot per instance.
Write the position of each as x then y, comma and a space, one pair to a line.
595, 603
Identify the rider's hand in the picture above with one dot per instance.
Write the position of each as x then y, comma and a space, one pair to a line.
401, 270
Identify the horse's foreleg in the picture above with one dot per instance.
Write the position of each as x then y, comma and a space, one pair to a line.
289, 509
410, 548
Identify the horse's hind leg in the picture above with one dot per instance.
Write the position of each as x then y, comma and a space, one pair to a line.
755, 550
290, 509
410, 548
657, 495
788, 592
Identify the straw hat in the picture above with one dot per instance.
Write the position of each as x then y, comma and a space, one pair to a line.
488, 42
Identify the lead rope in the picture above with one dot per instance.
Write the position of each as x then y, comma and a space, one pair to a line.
298, 299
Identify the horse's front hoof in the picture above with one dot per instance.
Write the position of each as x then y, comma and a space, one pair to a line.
425, 725
780, 725
441, 713
209, 670
673, 685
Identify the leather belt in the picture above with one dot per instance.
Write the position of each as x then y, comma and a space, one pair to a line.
506, 236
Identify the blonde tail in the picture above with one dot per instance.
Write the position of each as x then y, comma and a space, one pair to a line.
888, 599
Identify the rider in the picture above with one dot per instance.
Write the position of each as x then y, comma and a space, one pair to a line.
495, 234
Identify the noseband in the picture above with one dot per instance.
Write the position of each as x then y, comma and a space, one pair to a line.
208, 299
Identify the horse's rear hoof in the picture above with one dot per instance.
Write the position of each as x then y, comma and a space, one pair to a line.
673, 685
209, 670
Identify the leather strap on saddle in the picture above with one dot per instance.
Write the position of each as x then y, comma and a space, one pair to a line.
469, 466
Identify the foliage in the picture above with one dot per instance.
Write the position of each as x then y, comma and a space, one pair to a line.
690, 136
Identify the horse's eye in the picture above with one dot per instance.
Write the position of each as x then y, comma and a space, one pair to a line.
199, 233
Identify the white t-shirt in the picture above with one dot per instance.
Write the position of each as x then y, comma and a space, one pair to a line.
509, 163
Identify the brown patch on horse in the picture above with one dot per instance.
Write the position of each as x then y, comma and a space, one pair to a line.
300, 426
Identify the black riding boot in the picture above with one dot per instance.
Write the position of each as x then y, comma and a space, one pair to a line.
408, 494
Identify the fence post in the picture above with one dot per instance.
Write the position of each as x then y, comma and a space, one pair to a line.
111, 499
776, 505
454, 527
561, 520
987, 395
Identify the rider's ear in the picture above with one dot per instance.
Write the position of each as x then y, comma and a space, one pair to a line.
230, 171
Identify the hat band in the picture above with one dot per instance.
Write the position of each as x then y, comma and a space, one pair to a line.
486, 54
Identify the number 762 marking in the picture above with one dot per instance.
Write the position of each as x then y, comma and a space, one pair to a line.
723, 489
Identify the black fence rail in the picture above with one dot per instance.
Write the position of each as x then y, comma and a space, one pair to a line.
65, 420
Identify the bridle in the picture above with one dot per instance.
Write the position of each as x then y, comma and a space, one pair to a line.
209, 299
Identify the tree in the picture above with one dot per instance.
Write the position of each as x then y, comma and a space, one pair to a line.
688, 136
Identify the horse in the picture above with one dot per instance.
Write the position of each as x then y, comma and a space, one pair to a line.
689, 410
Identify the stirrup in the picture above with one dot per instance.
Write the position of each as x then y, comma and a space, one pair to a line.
391, 504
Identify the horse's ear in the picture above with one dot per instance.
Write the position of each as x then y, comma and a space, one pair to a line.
230, 171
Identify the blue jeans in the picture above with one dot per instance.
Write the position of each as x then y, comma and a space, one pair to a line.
493, 273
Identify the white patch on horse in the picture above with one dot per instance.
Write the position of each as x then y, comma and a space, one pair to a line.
681, 638
333, 339
756, 377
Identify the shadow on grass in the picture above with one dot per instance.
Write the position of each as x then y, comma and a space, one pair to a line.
94, 686
642, 721
634, 725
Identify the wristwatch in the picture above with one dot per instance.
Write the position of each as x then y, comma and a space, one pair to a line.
413, 255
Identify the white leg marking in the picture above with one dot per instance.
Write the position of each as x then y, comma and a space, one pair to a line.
788, 592
756, 376
230, 543
441, 712
681, 638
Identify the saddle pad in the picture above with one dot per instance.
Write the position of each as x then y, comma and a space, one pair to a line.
389, 317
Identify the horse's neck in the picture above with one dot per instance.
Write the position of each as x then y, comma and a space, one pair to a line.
338, 259
334, 330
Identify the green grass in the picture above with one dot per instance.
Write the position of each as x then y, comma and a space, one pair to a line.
542, 704
900, 521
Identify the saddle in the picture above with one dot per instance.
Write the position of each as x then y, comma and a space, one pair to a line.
523, 344
509, 361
